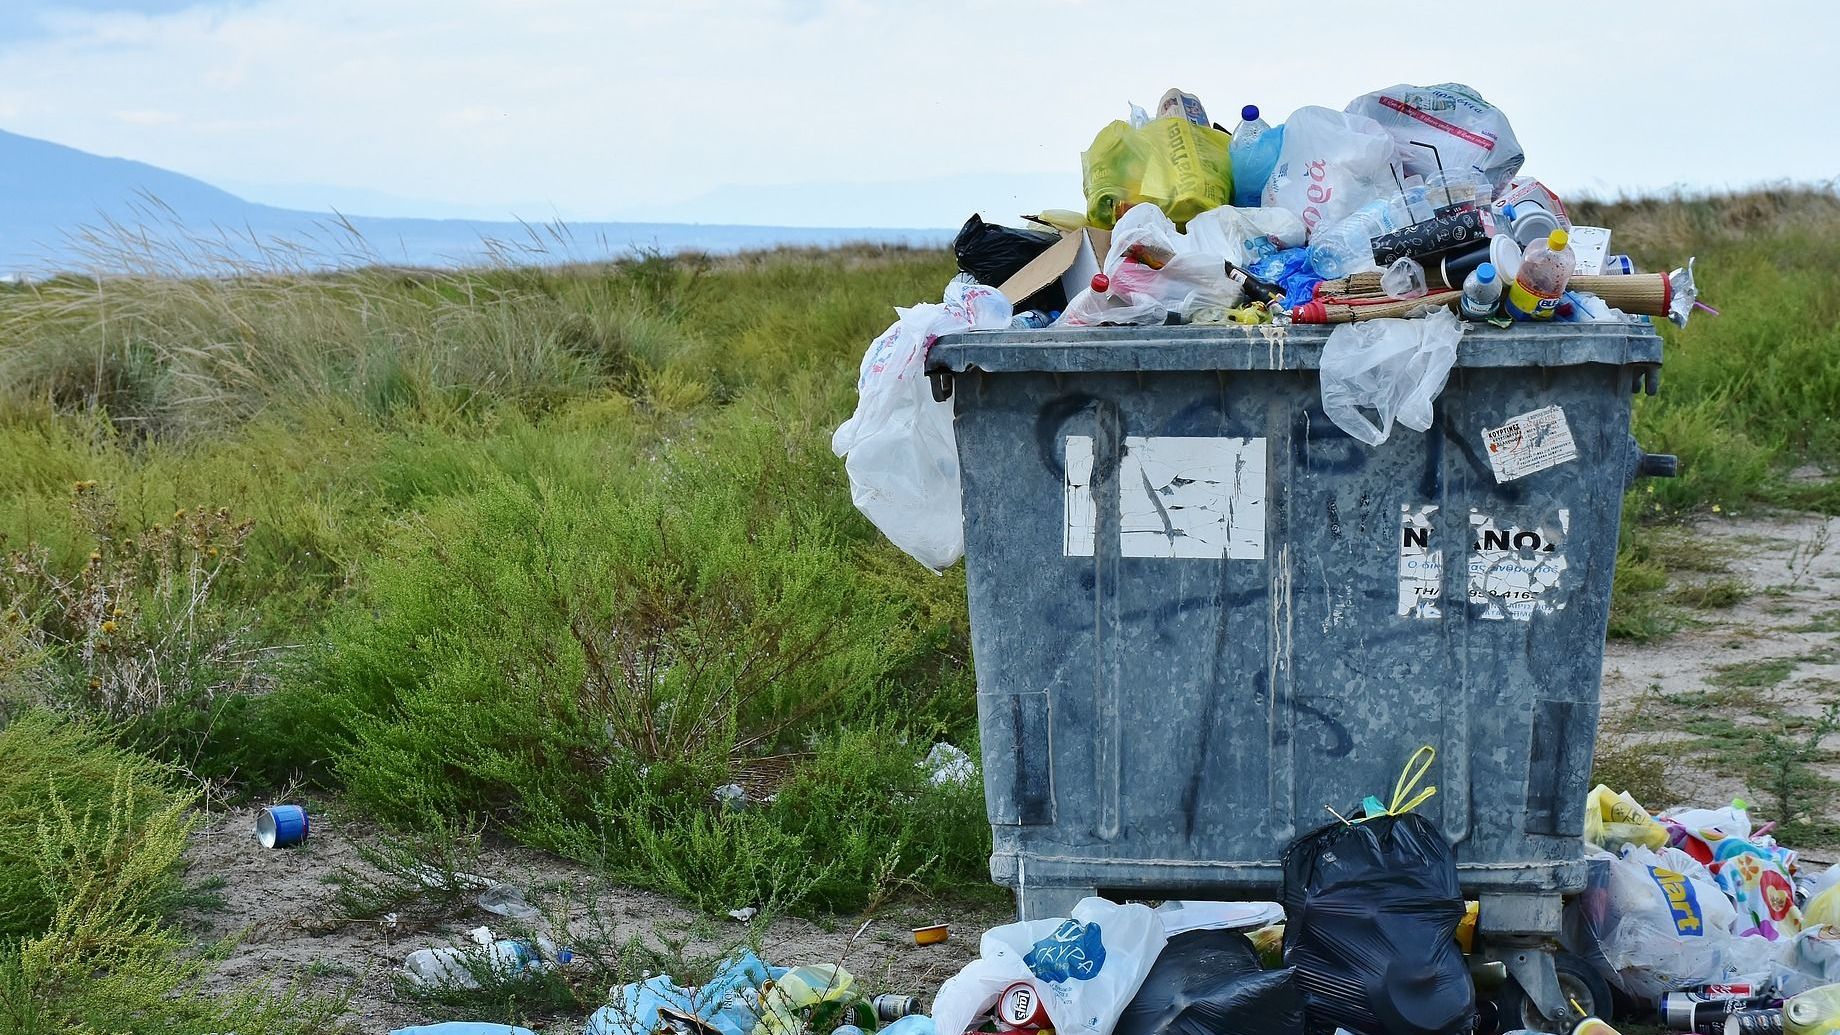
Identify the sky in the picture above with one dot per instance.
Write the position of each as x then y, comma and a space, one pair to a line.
892, 113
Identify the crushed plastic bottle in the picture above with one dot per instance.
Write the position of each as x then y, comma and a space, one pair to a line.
1253, 154
1546, 267
1481, 293
1347, 247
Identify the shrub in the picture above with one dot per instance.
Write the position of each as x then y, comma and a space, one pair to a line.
91, 842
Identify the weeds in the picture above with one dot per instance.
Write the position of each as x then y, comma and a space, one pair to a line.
1786, 756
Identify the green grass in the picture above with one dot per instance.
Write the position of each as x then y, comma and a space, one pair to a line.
560, 551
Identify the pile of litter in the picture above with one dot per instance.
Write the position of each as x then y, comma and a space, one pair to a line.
1694, 916
1408, 203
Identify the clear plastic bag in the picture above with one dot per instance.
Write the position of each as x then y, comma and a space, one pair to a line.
899, 449
1154, 270
1667, 925
1086, 968
1394, 367
1331, 164
1467, 131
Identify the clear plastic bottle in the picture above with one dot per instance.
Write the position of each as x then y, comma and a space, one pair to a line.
1481, 293
1253, 154
1347, 247
1546, 267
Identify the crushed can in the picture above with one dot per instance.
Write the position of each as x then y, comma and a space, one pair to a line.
1754, 1022
1687, 1011
894, 1007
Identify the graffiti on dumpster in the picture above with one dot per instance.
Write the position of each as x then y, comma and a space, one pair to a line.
1178, 497
1515, 571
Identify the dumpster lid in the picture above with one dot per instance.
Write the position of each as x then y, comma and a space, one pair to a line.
1270, 347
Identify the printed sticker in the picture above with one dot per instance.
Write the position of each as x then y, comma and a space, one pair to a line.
1201, 498
1515, 571
1528, 443
1421, 568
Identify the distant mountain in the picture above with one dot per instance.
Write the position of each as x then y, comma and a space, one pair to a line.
50, 193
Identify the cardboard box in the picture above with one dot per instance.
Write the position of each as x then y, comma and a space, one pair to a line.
1072, 261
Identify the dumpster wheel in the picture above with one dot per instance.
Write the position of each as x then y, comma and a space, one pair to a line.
1576, 980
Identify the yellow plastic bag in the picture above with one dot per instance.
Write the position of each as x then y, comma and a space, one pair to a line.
1612, 820
1171, 163
1823, 909
1814, 1012
799, 989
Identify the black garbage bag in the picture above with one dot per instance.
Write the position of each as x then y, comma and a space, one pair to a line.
1209, 983
1371, 913
992, 254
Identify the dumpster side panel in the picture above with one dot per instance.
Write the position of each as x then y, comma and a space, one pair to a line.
1201, 613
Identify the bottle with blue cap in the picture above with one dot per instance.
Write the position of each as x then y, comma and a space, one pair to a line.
1481, 293
1253, 154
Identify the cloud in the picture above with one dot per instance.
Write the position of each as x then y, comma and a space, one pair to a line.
599, 108
146, 117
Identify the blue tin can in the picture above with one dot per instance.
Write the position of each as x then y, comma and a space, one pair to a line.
281, 826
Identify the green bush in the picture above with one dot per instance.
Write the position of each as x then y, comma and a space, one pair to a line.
59, 778
91, 845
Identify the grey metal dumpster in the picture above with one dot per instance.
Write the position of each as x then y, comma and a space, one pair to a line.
1201, 612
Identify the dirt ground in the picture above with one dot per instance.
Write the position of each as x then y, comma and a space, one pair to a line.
283, 901
1770, 658
1785, 629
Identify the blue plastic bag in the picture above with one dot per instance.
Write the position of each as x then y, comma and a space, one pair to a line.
720, 1002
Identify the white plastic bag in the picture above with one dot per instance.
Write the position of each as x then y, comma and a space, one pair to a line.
900, 452
1245, 235
1809, 960
1395, 367
1467, 131
1190, 279
1086, 969
1668, 926
1331, 164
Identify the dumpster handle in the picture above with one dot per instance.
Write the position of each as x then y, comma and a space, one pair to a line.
942, 384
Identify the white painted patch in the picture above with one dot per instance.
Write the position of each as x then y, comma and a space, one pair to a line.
1530, 442
1082, 516
1515, 571
1201, 498
1421, 568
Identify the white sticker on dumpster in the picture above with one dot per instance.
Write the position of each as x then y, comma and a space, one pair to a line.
1178, 497
1421, 568
1082, 516
1530, 442
1515, 571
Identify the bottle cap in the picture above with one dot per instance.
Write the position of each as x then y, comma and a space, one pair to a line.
1557, 240
1249, 113
1101, 283
1485, 272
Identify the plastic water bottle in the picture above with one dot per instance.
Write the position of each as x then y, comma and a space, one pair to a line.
1348, 246
1253, 154
1546, 267
1481, 293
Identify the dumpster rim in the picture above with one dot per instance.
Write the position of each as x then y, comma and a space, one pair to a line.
1212, 347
